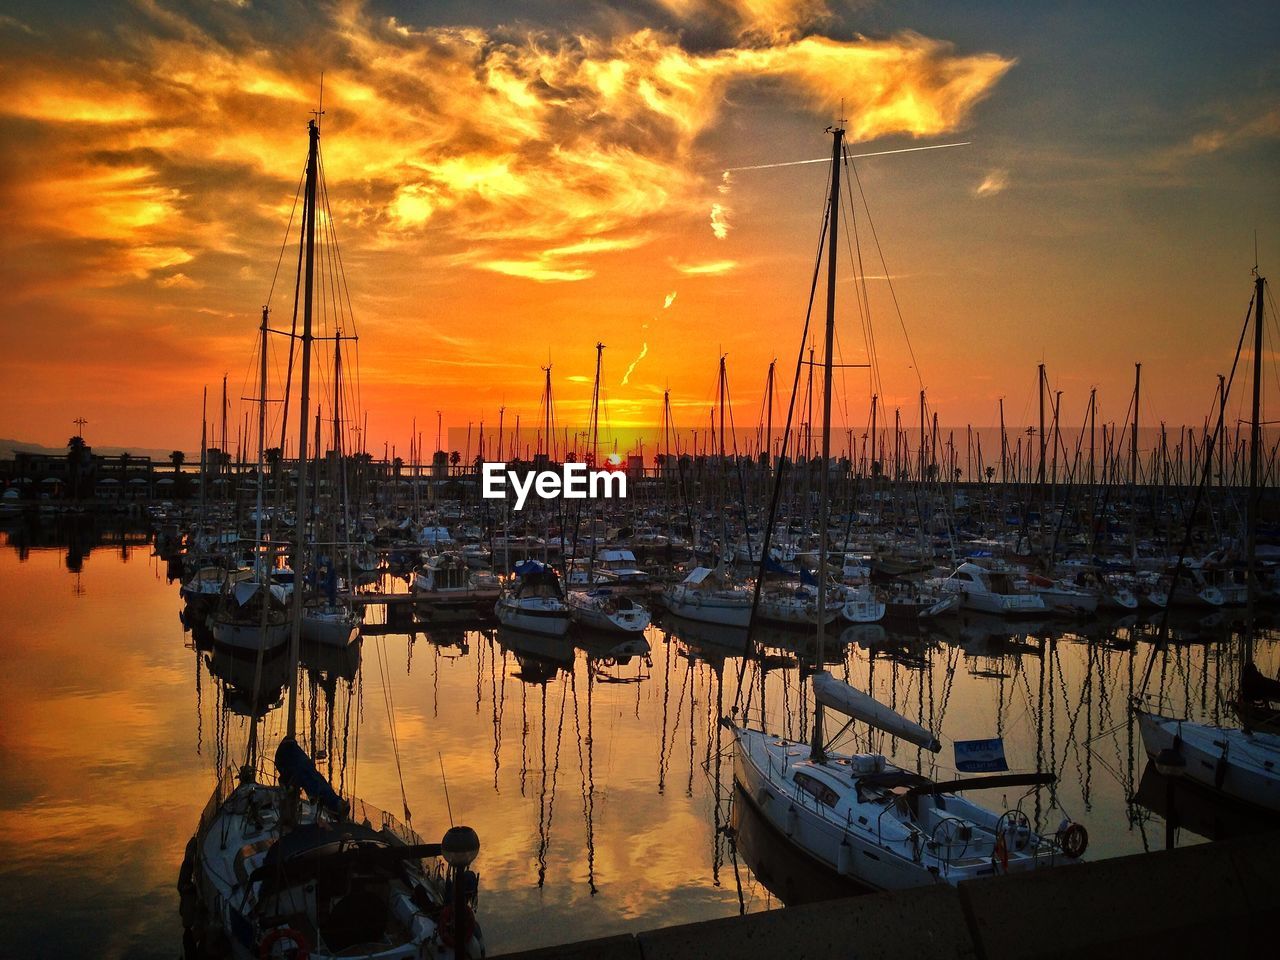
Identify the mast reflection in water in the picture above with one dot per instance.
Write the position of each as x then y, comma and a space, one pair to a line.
596, 774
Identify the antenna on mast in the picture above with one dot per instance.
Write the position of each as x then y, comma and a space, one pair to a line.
319, 111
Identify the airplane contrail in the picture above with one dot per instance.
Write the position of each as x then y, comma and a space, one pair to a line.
851, 156
644, 351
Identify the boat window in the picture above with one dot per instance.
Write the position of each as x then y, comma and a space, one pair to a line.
963, 575
817, 789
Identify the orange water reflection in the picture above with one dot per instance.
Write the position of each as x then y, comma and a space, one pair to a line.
592, 783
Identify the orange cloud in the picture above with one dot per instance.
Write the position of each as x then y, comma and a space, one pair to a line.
155, 170
710, 268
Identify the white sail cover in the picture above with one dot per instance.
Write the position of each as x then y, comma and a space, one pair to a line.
838, 695
245, 590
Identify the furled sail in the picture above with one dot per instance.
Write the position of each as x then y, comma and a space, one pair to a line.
839, 696
297, 769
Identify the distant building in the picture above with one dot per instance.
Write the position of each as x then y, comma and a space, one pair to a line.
81, 473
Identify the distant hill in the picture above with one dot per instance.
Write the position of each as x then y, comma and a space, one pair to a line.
9, 447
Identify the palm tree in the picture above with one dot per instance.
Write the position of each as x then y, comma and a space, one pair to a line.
177, 458
77, 453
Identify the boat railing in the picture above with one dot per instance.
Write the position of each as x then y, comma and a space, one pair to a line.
810, 802
367, 813
226, 784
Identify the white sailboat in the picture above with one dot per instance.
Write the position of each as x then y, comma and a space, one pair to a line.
250, 614
992, 591
599, 607
796, 605
709, 596
535, 603
280, 864
856, 813
604, 609
330, 624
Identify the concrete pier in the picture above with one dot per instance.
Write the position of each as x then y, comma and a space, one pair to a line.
1212, 900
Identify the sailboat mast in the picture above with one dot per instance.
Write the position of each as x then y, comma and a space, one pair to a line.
724, 532
595, 411
224, 458
768, 427
340, 485
816, 751
1255, 444
546, 406
261, 569
262, 433
304, 413
595, 457
871, 460
1133, 466
204, 448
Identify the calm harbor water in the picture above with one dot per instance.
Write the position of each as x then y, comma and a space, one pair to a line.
598, 783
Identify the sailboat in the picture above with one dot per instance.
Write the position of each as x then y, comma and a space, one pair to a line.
281, 864
858, 814
1241, 762
326, 619
535, 603
250, 614
711, 594
603, 607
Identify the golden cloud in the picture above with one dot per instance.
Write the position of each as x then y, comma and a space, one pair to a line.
525, 144
710, 268
162, 157
994, 182
763, 19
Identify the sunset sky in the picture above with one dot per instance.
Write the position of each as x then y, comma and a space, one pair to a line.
513, 181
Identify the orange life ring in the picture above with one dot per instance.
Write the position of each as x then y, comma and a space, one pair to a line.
302, 949
445, 926
1074, 840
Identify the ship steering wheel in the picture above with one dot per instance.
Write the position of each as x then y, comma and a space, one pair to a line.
1016, 828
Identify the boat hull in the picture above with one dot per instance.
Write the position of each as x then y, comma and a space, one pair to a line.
872, 855
1237, 763
332, 632
728, 613
546, 621
249, 636
632, 622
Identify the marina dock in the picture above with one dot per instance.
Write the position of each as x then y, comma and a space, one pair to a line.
1209, 900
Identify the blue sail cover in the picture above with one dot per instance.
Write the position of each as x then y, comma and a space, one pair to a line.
526, 567
296, 769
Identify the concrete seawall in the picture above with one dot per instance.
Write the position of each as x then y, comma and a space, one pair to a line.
1212, 900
